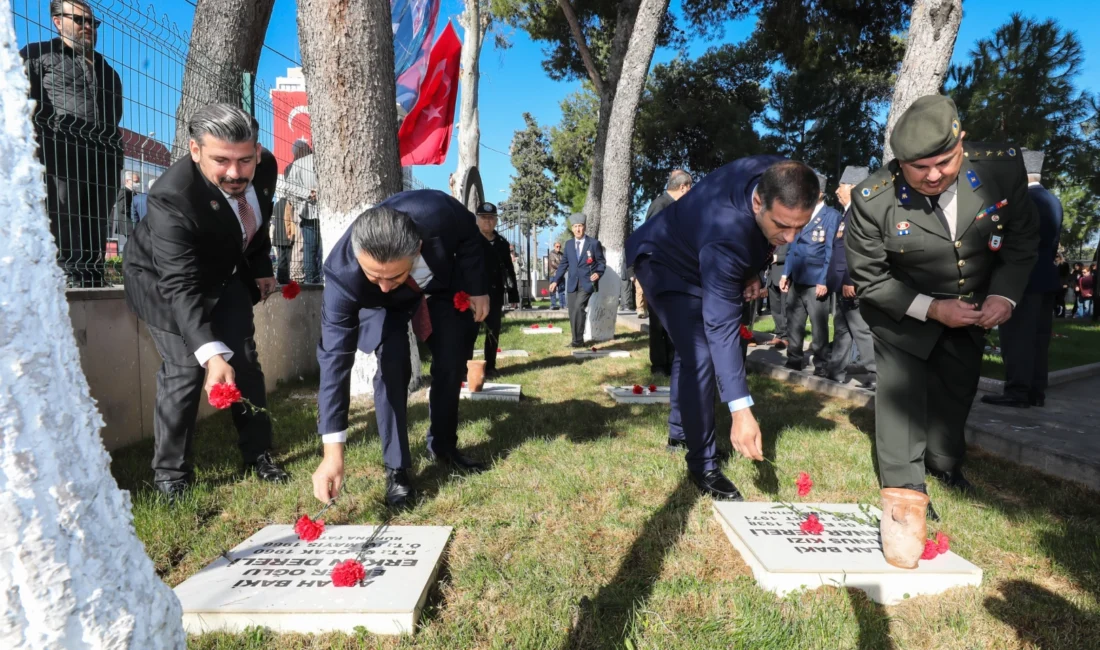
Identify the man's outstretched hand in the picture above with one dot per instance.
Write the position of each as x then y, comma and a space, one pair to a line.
745, 435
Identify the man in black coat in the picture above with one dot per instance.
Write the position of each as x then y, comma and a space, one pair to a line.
416, 256
1025, 338
661, 351
193, 269
502, 279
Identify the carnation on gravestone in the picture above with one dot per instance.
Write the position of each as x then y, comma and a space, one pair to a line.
943, 543
811, 525
637, 390
291, 290
499, 350
348, 573
309, 530
653, 388
930, 550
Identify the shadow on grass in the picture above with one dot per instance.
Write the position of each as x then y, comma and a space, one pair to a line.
1043, 619
873, 621
604, 621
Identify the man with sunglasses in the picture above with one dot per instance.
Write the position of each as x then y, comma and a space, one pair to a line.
78, 106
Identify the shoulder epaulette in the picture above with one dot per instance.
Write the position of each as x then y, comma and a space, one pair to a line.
875, 184
985, 151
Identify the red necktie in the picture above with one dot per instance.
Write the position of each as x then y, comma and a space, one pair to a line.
421, 320
248, 218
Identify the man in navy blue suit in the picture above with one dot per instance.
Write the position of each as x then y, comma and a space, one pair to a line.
1025, 337
806, 285
585, 263
404, 259
699, 262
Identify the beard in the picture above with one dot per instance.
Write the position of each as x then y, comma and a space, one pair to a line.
81, 42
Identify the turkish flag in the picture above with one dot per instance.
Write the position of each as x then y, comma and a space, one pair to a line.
425, 134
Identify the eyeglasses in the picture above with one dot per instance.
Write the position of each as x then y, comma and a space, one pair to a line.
81, 20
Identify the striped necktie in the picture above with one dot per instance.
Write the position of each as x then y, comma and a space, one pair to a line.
421, 320
248, 219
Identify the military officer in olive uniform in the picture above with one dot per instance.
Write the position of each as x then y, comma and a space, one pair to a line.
940, 245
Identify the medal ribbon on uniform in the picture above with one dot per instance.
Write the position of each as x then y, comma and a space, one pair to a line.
993, 208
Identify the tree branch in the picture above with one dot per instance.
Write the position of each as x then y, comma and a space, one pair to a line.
582, 45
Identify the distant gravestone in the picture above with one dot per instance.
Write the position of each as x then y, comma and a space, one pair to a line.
600, 354
541, 329
847, 554
275, 580
493, 392
504, 353
626, 395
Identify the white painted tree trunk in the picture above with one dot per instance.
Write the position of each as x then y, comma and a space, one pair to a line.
615, 206
72, 572
469, 128
347, 60
933, 29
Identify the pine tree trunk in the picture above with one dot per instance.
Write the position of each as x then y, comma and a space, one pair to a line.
226, 39
469, 129
72, 572
624, 27
617, 158
347, 60
932, 32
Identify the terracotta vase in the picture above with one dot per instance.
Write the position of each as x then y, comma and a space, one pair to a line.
475, 375
903, 526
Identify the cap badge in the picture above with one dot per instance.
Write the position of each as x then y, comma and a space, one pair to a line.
866, 192
955, 128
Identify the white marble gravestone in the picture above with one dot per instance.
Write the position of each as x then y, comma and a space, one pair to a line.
599, 354
275, 580
542, 329
493, 392
847, 554
503, 353
625, 395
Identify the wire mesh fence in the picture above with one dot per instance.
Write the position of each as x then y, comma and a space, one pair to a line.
107, 78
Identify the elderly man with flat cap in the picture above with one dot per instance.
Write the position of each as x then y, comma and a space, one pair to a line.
940, 245
585, 263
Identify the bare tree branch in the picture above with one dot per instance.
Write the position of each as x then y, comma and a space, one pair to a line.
582, 45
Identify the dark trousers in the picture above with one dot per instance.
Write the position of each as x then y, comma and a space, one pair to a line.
492, 329
557, 297
848, 328
282, 263
661, 350
578, 313
626, 293
180, 383
921, 407
777, 303
79, 211
802, 301
1025, 344
450, 344
311, 250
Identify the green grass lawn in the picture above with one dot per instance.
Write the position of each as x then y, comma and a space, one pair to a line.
586, 533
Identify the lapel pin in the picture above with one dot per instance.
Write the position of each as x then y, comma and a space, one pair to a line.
215, 205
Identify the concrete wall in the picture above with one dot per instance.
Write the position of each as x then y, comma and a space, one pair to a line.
121, 362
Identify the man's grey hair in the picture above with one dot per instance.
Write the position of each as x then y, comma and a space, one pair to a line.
224, 122
677, 179
385, 234
57, 7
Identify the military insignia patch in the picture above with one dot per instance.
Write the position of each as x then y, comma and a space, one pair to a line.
991, 209
995, 243
903, 228
866, 192
840, 231
903, 194
995, 218
214, 205
1011, 151
972, 178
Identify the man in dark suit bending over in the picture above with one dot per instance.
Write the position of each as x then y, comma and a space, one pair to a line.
194, 268
404, 259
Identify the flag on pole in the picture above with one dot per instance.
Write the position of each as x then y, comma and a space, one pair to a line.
413, 23
425, 135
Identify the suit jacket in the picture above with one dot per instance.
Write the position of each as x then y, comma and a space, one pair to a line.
811, 253
581, 268
898, 248
660, 203
708, 244
1045, 277
838, 275
355, 313
183, 254
501, 271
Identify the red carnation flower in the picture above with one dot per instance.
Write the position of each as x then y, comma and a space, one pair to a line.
309, 530
550, 325
804, 484
463, 384
930, 550
222, 396
462, 301
746, 333
544, 292
653, 388
943, 543
499, 350
593, 348
811, 526
535, 326
348, 573
291, 290
637, 389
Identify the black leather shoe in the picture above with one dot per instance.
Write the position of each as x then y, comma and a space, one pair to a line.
1037, 401
919, 487
676, 446
399, 492
716, 485
1005, 400
954, 480
267, 470
457, 460
173, 490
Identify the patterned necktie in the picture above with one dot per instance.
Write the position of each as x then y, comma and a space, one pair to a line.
248, 218
421, 320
